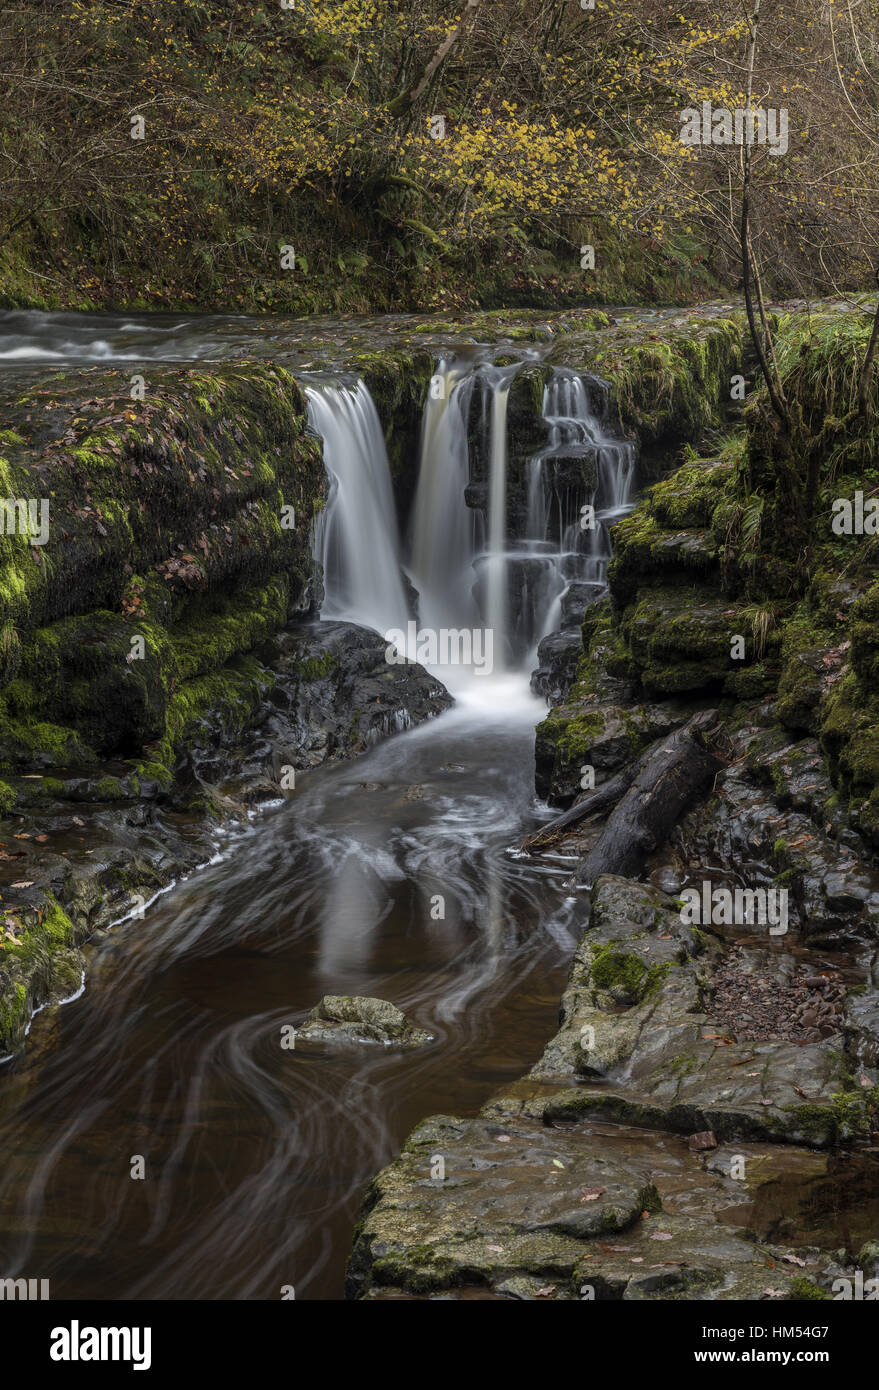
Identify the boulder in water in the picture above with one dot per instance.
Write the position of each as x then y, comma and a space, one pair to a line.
355, 1019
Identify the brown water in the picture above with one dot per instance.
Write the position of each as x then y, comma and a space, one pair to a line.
256, 1157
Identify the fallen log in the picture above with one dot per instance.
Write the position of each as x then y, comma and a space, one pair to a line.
608, 794
668, 777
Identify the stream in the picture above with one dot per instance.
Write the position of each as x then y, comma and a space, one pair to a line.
395, 876
174, 1052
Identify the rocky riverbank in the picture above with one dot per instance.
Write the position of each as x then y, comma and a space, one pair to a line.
704, 1124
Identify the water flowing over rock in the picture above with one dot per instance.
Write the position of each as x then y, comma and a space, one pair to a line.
443, 526
355, 537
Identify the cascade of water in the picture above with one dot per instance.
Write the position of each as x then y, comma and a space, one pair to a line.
558, 488
513, 587
496, 594
443, 526
356, 535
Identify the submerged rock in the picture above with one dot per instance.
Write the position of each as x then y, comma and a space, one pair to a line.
356, 1019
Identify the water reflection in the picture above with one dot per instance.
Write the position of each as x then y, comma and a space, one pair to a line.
256, 1156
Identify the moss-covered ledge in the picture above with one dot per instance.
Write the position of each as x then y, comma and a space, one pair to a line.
178, 539
670, 380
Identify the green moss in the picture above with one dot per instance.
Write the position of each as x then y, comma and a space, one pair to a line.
56, 925
193, 495
702, 942
25, 742
8, 798
622, 968
624, 971
673, 387
803, 1290
109, 789
689, 496
848, 1117
316, 667
29, 966
209, 639
753, 682
853, 1111
14, 1015
572, 734
684, 1065
225, 700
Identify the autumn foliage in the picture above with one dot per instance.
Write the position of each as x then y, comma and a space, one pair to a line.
315, 127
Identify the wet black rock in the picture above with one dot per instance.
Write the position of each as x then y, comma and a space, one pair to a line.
557, 656
335, 695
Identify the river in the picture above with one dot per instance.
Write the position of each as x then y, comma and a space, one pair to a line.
394, 876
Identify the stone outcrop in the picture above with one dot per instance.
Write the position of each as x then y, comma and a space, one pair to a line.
571, 1183
341, 1019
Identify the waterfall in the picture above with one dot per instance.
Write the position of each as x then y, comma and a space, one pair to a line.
443, 526
356, 535
579, 447
514, 587
496, 606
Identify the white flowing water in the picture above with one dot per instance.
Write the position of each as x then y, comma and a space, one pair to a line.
356, 535
578, 541
443, 526
513, 585
497, 530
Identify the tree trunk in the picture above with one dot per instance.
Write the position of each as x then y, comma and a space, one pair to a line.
773, 385
406, 100
608, 794
669, 776
864, 391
